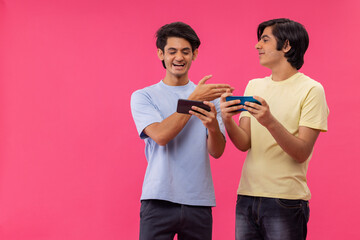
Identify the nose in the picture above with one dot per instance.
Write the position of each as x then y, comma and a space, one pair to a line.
179, 56
258, 45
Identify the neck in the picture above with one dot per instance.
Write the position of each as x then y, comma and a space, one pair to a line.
283, 72
172, 80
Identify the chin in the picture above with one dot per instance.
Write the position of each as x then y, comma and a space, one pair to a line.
179, 75
263, 64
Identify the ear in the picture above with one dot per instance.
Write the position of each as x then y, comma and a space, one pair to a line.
160, 54
286, 47
195, 54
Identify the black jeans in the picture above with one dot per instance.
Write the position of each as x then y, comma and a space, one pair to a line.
161, 220
260, 218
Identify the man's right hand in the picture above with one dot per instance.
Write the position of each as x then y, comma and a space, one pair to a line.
239, 133
208, 92
228, 110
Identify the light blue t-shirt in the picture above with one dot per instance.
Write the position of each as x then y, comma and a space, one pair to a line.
179, 171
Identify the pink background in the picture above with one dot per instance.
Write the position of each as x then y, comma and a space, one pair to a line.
71, 163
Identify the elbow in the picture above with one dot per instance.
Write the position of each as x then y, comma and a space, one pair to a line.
243, 147
163, 144
241, 144
301, 158
162, 141
216, 155
217, 152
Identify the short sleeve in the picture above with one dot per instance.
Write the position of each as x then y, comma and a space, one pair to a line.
218, 116
315, 110
144, 112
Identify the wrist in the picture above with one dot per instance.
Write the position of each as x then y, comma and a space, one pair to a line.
193, 97
226, 120
271, 124
213, 130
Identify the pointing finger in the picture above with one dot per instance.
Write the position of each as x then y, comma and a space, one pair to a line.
203, 81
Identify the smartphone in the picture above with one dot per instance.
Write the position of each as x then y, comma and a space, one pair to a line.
184, 106
243, 99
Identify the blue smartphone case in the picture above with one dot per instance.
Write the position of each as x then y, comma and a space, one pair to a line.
243, 99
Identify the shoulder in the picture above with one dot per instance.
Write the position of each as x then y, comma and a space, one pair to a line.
146, 91
310, 83
257, 81
308, 80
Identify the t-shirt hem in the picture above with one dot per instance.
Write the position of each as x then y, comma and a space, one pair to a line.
313, 126
270, 195
190, 203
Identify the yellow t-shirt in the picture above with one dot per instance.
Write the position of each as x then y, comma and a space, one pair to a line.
268, 171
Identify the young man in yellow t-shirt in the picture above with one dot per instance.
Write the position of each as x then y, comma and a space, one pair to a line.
279, 136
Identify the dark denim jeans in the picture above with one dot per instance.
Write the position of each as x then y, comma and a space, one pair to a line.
161, 220
271, 218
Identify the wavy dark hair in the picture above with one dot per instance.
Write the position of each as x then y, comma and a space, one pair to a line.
176, 29
286, 30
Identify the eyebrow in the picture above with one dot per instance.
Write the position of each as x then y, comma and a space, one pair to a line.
174, 49
264, 36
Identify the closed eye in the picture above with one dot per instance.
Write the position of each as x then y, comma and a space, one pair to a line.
265, 38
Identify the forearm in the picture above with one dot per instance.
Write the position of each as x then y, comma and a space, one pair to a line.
216, 143
168, 129
237, 135
298, 148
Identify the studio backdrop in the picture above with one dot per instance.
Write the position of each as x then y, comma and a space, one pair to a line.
71, 162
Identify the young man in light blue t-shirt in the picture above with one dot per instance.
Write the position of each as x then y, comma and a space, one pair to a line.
178, 191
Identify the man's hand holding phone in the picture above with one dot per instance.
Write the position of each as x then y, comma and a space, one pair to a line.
231, 105
205, 111
208, 118
229, 108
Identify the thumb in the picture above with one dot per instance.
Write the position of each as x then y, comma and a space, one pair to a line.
225, 94
203, 81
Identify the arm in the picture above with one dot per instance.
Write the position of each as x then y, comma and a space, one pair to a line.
216, 143
216, 140
298, 147
239, 135
166, 130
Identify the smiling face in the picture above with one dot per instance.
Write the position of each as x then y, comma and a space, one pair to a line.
268, 54
177, 56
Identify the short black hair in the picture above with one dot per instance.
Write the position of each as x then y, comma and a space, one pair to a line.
288, 30
177, 29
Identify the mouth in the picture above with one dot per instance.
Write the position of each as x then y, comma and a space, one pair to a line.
261, 54
178, 65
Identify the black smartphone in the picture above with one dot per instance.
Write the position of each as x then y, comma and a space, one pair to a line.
184, 106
